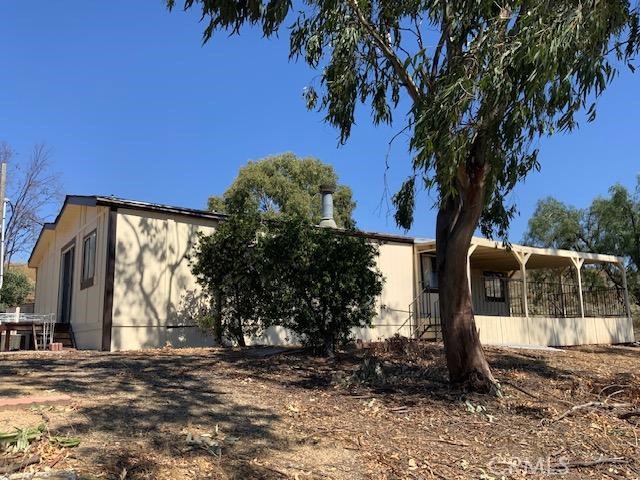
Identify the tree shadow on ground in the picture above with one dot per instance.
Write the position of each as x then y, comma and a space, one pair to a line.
153, 400
628, 351
522, 362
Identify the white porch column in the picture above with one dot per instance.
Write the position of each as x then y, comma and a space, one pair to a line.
561, 281
625, 288
522, 259
472, 249
577, 263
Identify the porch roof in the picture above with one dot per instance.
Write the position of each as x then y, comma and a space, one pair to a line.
493, 255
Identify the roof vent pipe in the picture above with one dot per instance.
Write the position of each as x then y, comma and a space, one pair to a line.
327, 207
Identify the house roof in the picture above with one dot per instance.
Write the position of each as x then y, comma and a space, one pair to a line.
116, 202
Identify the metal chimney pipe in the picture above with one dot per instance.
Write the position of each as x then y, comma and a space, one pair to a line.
327, 207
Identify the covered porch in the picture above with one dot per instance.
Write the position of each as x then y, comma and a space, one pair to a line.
531, 296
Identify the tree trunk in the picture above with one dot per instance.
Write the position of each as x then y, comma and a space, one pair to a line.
217, 317
458, 218
329, 345
240, 334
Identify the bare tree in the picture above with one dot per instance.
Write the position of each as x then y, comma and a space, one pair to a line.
31, 189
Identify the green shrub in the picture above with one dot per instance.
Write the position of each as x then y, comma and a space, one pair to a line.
16, 288
318, 283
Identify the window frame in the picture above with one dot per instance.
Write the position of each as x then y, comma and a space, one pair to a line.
501, 279
86, 282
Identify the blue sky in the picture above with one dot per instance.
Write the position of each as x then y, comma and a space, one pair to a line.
132, 105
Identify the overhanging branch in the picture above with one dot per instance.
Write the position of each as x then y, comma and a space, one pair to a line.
388, 52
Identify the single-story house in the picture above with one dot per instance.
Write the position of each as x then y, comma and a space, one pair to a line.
116, 271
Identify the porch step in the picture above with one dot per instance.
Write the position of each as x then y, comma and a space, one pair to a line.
430, 332
63, 333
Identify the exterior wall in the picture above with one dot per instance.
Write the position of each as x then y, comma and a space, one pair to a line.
154, 290
86, 304
553, 332
396, 262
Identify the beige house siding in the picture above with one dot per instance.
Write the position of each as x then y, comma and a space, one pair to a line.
555, 332
86, 312
396, 264
153, 285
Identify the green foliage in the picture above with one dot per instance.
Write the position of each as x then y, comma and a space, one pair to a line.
484, 79
318, 283
17, 286
286, 184
20, 438
326, 283
609, 225
555, 225
228, 265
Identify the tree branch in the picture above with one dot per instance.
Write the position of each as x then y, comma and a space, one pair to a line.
398, 66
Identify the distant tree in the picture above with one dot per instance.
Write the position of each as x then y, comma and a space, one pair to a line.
31, 189
228, 266
16, 288
609, 225
325, 283
482, 80
555, 225
286, 184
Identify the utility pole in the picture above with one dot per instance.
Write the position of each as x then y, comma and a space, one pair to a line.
3, 192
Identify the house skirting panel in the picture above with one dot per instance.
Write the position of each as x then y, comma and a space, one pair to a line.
553, 332
141, 337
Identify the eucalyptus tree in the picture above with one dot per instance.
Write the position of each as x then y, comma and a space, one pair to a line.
484, 79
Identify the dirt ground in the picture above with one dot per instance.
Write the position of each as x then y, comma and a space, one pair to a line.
386, 413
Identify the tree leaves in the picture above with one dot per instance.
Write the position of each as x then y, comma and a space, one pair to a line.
508, 73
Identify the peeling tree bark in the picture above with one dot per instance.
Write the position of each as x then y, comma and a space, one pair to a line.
458, 217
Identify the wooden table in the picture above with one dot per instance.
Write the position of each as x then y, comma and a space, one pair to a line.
8, 327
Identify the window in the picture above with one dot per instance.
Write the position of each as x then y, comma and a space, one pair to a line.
494, 286
88, 260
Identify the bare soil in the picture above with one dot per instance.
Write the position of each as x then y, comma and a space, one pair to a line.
385, 413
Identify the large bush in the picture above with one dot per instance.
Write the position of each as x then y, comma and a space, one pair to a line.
326, 282
318, 283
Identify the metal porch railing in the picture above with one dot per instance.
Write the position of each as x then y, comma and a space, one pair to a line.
545, 299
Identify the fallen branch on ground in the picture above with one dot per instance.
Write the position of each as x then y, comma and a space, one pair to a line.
520, 389
627, 415
594, 405
449, 442
16, 467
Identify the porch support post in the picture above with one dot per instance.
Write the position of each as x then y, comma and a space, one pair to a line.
577, 263
522, 259
561, 281
625, 288
472, 249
